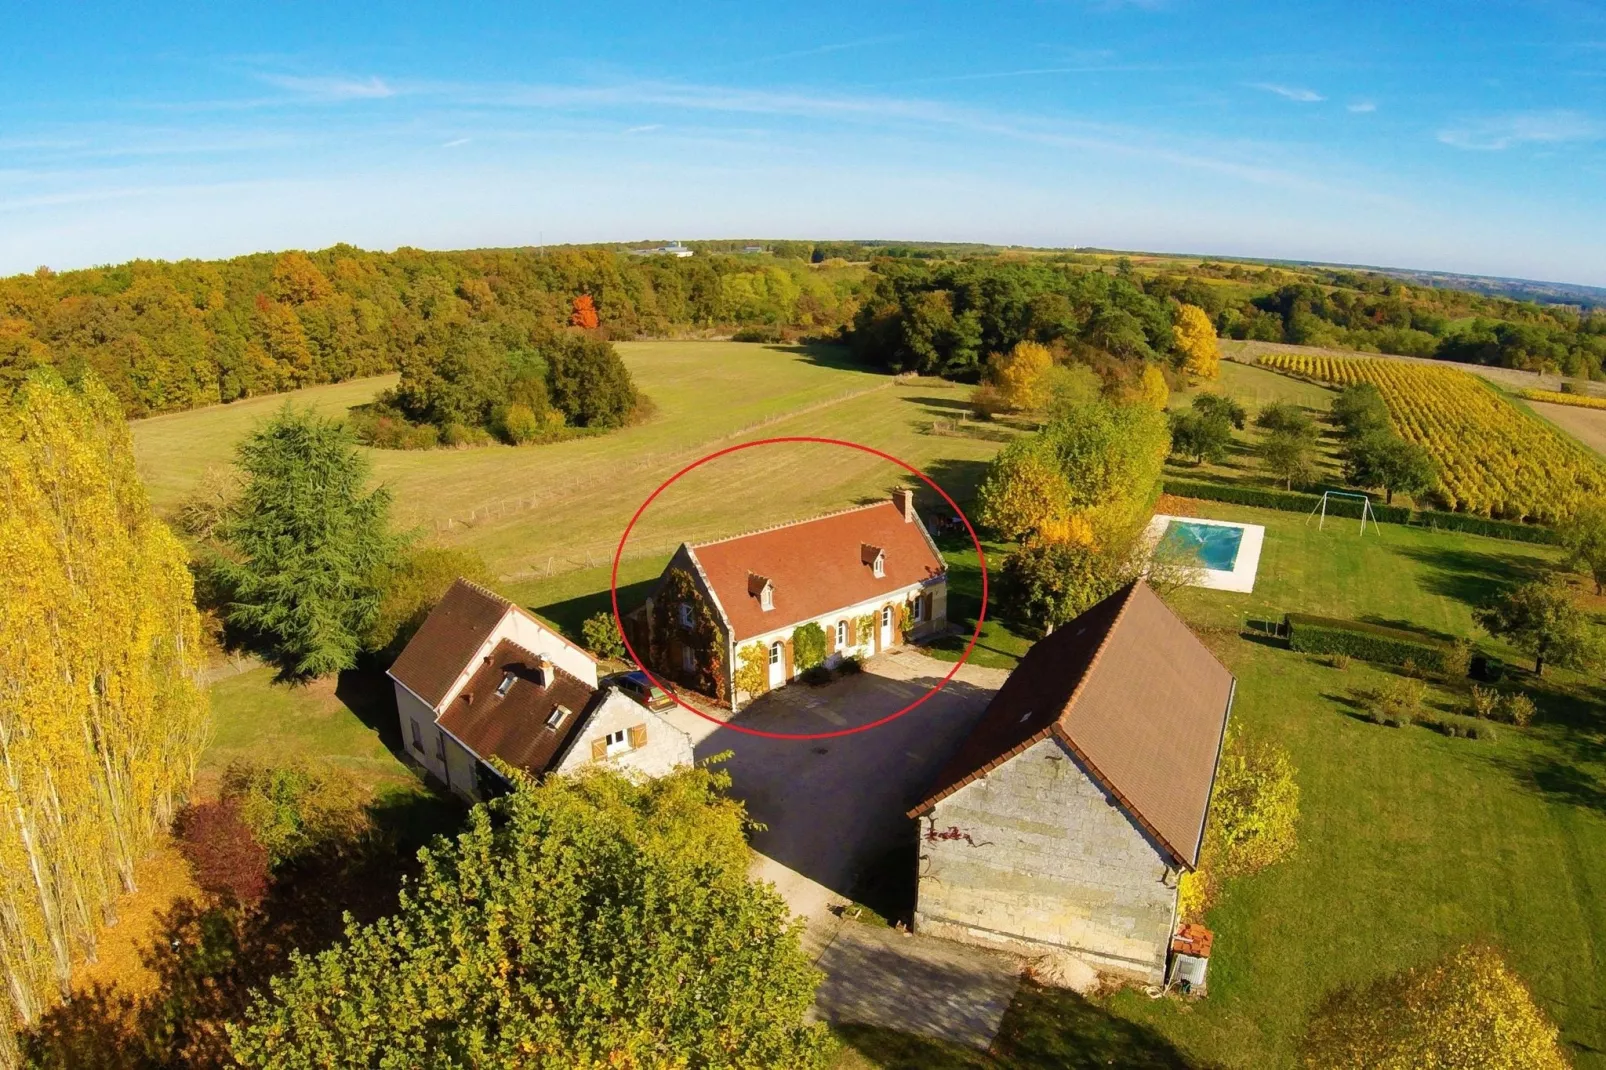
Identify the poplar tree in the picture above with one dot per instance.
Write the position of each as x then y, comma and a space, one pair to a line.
308, 542
102, 716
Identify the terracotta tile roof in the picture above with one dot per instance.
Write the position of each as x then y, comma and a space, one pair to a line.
816, 566
1134, 695
513, 726
452, 633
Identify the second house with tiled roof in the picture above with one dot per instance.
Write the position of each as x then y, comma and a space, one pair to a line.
482, 681
741, 616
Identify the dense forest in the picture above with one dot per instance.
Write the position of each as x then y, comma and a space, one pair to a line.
169, 336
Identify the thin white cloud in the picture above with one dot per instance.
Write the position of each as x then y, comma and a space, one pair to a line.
644, 128
1362, 107
452, 144
1497, 132
1289, 92
326, 88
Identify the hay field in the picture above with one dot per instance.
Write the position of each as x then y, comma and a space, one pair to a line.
547, 509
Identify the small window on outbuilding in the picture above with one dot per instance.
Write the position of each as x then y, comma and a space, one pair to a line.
616, 743
506, 684
556, 717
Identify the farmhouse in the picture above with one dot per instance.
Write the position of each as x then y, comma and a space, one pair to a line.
1064, 821
483, 679
735, 618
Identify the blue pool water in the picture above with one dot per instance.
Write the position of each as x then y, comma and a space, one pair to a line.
1205, 545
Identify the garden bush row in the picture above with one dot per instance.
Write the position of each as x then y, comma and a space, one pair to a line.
1371, 642
1300, 502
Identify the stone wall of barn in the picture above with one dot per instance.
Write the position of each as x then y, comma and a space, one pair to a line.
1036, 858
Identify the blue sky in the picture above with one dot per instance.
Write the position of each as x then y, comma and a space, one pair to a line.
1457, 136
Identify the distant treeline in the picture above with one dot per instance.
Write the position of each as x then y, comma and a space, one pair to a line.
945, 318
171, 336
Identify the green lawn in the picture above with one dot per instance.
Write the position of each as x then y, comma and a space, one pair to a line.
1411, 842
534, 511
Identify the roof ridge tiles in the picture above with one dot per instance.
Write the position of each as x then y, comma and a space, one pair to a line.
1098, 652
789, 524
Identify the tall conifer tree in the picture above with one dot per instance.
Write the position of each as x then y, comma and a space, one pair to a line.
309, 539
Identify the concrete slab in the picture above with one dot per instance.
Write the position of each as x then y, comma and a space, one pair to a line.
832, 807
931, 988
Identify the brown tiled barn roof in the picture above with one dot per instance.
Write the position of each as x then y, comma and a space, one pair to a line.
513, 726
816, 566
1135, 695
449, 637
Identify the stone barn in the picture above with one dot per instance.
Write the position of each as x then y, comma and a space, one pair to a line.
1064, 821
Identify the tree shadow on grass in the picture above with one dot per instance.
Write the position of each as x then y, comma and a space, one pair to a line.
369, 695
826, 355
1471, 576
1407, 626
1044, 1029
571, 613
210, 955
1567, 760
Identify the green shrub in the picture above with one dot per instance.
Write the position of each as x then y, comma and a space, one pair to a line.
298, 808
517, 424
757, 334
1517, 708
1369, 642
850, 666
601, 635
1484, 702
808, 646
816, 676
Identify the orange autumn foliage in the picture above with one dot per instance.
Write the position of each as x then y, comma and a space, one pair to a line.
584, 314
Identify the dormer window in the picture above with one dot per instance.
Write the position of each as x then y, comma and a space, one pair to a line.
879, 566
762, 589
506, 685
875, 557
556, 717
766, 598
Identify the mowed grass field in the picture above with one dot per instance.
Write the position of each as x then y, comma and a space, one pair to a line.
542, 510
1410, 842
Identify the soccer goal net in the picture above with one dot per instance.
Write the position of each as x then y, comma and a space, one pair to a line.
1346, 507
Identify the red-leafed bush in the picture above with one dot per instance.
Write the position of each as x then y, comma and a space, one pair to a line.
226, 858
584, 314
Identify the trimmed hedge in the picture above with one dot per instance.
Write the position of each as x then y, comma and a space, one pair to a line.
1301, 502
1310, 634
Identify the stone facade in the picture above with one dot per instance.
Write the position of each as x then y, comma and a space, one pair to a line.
1036, 858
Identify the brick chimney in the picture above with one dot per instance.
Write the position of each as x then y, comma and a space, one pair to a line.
904, 499
543, 672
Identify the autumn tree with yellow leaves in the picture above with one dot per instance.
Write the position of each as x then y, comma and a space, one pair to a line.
102, 716
1467, 1011
1019, 378
1196, 341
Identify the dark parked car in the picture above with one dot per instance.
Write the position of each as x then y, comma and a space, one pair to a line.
643, 690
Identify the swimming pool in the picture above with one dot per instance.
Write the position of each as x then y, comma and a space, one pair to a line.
1211, 546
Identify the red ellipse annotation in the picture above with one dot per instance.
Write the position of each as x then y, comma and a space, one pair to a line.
618, 553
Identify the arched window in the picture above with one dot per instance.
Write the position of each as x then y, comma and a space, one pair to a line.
775, 652
841, 633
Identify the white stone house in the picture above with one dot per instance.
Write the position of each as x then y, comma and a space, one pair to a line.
483, 679
869, 577
1064, 821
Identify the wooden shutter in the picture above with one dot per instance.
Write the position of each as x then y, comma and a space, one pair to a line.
830, 638
599, 749
638, 736
925, 614
853, 632
786, 658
